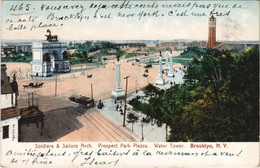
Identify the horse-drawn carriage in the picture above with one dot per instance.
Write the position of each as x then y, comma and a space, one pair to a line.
148, 66
32, 85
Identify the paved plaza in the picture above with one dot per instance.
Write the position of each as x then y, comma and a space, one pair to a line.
67, 121
151, 133
177, 79
76, 124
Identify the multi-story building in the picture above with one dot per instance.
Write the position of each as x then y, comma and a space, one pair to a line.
7, 49
129, 45
23, 48
10, 113
174, 45
15, 48
151, 45
202, 44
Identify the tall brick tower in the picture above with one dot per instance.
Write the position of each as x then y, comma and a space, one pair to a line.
212, 32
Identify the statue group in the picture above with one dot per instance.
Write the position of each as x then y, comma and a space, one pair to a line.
51, 37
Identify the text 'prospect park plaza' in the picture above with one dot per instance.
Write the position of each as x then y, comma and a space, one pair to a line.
129, 90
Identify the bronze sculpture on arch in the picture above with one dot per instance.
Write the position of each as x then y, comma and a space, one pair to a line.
51, 37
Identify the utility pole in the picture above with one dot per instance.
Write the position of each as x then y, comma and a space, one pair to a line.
126, 78
166, 132
142, 126
56, 85
91, 91
28, 99
93, 103
36, 98
135, 85
32, 99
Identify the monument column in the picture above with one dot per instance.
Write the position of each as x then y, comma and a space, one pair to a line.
166, 66
170, 73
160, 80
118, 93
118, 81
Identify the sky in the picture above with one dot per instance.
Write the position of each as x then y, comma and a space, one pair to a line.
241, 23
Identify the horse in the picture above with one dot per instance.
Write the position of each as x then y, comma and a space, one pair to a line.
40, 85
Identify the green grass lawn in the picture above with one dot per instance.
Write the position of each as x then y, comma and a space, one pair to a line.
129, 55
174, 60
88, 64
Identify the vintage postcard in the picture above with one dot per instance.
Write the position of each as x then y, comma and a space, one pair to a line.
129, 83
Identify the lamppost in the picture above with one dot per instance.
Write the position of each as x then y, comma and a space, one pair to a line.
142, 126
126, 78
148, 80
136, 85
56, 85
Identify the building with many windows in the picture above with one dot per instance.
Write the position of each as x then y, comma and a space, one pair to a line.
10, 113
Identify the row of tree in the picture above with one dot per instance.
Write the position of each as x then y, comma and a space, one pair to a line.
19, 56
219, 100
90, 46
80, 56
83, 49
84, 46
194, 52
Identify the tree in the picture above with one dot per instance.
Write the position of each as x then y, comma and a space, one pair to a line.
223, 100
106, 44
217, 102
136, 103
87, 44
132, 118
194, 52
79, 57
151, 90
70, 45
84, 56
93, 49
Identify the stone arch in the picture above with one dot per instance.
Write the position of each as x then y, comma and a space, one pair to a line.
65, 55
54, 55
46, 57
54, 60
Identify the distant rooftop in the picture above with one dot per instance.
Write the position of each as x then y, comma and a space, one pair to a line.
9, 113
